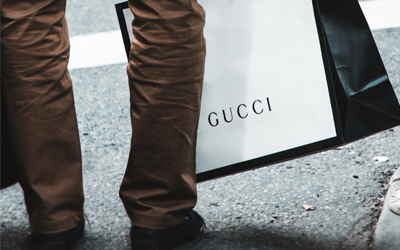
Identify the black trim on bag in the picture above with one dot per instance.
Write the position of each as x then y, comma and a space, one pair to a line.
271, 159
122, 24
329, 66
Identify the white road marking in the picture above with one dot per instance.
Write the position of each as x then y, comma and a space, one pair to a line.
382, 14
97, 49
106, 48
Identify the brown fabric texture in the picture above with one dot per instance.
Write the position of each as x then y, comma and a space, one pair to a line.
165, 71
41, 113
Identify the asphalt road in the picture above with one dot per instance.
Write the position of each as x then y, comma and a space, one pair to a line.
260, 209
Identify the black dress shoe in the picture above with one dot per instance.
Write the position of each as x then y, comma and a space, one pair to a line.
58, 241
164, 239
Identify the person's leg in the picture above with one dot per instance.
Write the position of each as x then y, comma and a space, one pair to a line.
41, 114
165, 70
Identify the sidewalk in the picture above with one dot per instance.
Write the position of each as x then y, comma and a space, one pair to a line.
387, 232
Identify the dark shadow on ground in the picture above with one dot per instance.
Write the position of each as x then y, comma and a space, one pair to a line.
249, 237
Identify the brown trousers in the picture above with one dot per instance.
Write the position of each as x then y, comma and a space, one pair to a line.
40, 111
165, 76
165, 70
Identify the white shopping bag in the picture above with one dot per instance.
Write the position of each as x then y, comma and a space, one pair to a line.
280, 83
265, 88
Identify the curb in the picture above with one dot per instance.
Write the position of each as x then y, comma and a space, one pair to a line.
387, 232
